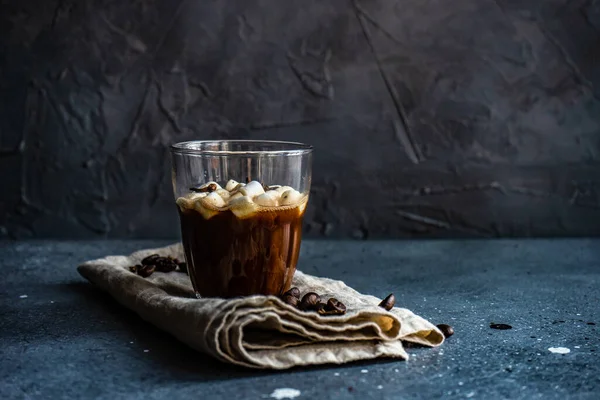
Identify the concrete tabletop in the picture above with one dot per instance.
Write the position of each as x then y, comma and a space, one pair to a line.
60, 337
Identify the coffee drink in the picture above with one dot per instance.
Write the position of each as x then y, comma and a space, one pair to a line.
241, 239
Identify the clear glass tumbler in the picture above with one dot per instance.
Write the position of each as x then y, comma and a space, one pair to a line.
241, 204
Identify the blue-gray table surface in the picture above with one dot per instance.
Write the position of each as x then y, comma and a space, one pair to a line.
63, 338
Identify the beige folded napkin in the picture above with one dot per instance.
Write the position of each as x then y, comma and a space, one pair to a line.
261, 331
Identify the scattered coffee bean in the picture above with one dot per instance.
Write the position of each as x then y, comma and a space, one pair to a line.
182, 267
333, 307
293, 292
310, 301
323, 310
447, 330
388, 302
146, 270
151, 259
320, 308
165, 264
161, 264
166, 267
501, 327
290, 299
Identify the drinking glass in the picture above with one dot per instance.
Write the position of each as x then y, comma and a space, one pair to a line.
241, 204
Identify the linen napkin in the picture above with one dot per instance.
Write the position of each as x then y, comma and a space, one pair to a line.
262, 331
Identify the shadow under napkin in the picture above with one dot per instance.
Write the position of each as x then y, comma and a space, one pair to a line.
167, 353
226, 329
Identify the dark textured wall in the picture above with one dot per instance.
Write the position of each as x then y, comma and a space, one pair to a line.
429, 118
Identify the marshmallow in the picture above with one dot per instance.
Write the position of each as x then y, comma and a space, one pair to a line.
290, 197
223, 193
282, 189
196, 196
235, 195
243, 200
193, 196
252, 189
189, 199
183, 202
243, 207
213, 200
274, 193
231, 185
267, 199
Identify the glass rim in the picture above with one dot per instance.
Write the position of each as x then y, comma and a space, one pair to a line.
194, 147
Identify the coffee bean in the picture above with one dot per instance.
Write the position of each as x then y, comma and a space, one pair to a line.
294, 292
162, 264
291, 300
501, 327
166, 267
165, 264
447, 330
320, 308
151, 259
388, 302
323, 309
310, 301
146, 270
334, 307
134, 268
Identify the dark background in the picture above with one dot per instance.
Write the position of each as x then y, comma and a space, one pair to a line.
429, 118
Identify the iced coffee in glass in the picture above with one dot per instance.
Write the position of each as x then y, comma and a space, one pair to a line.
241, 205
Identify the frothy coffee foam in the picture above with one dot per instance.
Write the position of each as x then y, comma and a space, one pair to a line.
244, 200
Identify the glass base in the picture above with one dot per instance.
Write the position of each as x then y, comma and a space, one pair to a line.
198, 296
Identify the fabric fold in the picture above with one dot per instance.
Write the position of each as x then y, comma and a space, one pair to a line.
261, 331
